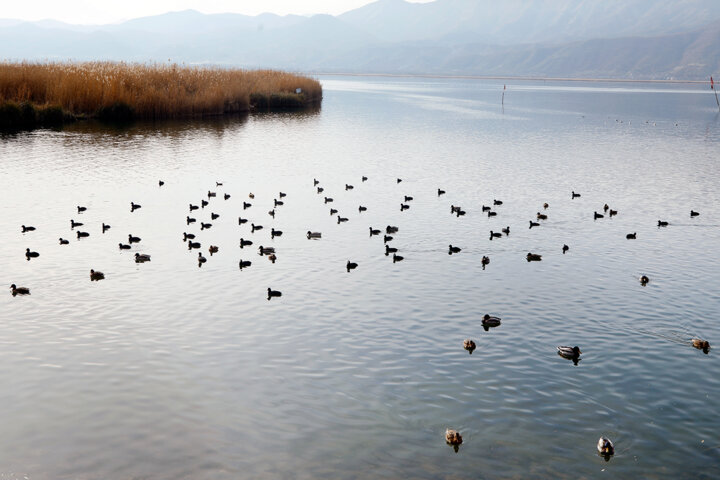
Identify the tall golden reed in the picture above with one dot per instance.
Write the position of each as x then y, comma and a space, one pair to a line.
153, 91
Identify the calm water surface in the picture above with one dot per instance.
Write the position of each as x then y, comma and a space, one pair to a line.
169, 371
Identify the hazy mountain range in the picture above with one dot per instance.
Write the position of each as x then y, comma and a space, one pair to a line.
651, 39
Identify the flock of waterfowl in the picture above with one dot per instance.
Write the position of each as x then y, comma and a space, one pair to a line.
454, 438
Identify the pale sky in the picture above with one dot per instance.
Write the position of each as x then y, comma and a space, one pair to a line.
112, 11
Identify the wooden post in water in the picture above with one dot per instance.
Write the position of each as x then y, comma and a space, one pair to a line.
712, 87
505, 86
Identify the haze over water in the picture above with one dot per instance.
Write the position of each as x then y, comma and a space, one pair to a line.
165, 370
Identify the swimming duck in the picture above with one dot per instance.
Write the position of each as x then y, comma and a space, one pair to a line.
246, 205
105, 227
74, 224
266, 250
278, 203
452, 437
81, 209
452, 249
605, 447
161, 183
204, 226
241, 220
82, 234
460, 212
441, 192
141, 258
320, 189
492, 214
333, 211
245, 243
700, 344
605, 207
597, 215
204, 203
387, 238
201, 259
95, 276
486, 209
575, 195
218, 184
214, 216
490, 321
662, 224
404, 207
342, 219
63, 241
497, 202
453, 209
565, 249
408, 198
191, 236
27, 229
275, 233
494, 235
374, 232
348, 187
397, 258
272, 257
192, 245
282, 195
190, 220
644, 280
364, 178
251, 195
533, 257
226, 196
254, 227
541, 216
506, 230
399, 180
134, 206
613, 212
351, 265
631, 236
211, 194
693, 213
328, 200
319, 234
273, 293
213, 249
244, 264
485, 261
362, 209
124, 247
469, 345
533, 224
315, 181
389, 250
569, 352
545, 205
19, 290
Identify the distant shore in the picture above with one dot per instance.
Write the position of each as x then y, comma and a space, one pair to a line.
54, 93
522, 79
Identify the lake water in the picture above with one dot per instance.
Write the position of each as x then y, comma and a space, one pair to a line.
165, 370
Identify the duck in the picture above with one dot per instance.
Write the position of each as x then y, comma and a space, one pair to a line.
211, 194
278, 203
408, 198
397, 258
190, 220
271, 213
460, 212
191, 236
351, 265
320, 190
486, 209
644, 280
341, 219
348, 187
497, 202
201, 259
213, 249
569, 352
251, 195
533, 257
362, 209
273, 293
453, 209
244, 264
453, 437
399, 180
242, 220
541, 216
575, 195
204, 226
533, 224
134, 206
404, 207
82, 234
272, 257
631, 236
494, 235
282, 194
693, 213
492, 214
161, 183
700, 344
27, 229
441, 192
226, 196
275, 233
662, 223
389, 250
315, 181
266, 250
490, 321
245, 243
105, 227
612, 212
605, 447
81, 209
74, 224
141, 258
254, 227
565, 249
95, 275
204, 203
63, 241
485, 261
374, 231
452, 249
469, 345
124, 247
605, 207
328, 200
387, 238
19, 290
597, 215
214, 216
192, 245
545, 205
506, 230
246, 205
364, 178
333, 211
218, 184
317, 234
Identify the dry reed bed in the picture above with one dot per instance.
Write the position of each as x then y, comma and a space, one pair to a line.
152, 91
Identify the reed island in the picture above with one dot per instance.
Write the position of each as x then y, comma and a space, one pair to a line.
53, 93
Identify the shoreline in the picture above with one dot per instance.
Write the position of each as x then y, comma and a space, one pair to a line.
501, 77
